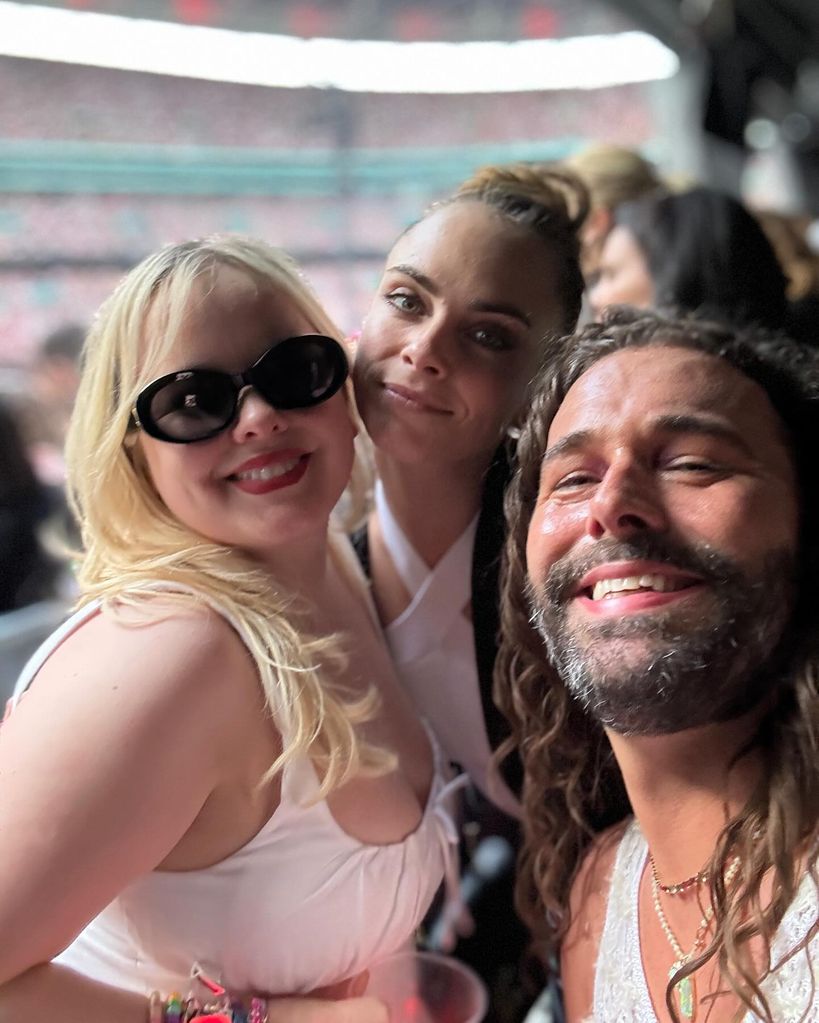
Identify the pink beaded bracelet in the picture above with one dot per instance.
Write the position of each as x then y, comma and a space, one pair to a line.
258, 1011
221, 1009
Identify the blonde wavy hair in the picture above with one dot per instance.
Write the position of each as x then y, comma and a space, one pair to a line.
572, 784
614, 174
131, 540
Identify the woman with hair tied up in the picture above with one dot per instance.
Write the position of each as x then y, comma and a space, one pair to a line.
458, 327
212, 762
698, 251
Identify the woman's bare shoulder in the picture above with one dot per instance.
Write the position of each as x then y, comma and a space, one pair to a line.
116, 711
594, 874
163, 652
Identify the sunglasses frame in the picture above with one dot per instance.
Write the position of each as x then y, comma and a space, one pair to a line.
143, 420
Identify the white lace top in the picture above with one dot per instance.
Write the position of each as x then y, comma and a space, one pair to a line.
620, 989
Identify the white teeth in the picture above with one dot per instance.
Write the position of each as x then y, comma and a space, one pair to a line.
659, 583
269, 472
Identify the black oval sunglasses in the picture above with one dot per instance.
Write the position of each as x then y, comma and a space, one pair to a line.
196, 404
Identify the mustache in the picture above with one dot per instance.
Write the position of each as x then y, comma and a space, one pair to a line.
700, 560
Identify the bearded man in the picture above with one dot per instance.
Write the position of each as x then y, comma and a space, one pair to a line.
661, 643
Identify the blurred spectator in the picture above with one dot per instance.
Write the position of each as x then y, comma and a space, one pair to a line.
54, 380
613, 175
698, 251
27, 573
788, 236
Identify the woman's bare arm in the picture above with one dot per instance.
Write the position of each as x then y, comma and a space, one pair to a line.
49, 992
104, 765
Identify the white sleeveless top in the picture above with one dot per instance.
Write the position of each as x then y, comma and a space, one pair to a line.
433, 649
301, 905
620, 989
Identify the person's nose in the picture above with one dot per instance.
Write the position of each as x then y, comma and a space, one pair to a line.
257, 417
426, 347
625, 502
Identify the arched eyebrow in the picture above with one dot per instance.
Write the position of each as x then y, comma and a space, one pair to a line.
682, 423
415, 274
502, 308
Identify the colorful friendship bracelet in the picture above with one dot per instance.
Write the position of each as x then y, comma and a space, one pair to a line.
178, 1010
222, 1009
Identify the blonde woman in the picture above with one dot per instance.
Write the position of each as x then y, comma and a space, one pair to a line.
213, 761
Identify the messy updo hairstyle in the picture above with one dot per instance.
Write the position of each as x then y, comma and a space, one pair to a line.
550, 203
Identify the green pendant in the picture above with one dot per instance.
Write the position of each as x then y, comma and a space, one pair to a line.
686, 996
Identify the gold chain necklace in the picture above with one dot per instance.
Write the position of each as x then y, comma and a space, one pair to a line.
701, 877
685, 990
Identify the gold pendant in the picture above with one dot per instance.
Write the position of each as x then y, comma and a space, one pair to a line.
685, 992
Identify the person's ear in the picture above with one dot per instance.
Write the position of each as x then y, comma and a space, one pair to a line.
598, 224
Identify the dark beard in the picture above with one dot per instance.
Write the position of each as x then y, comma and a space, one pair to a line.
696, 665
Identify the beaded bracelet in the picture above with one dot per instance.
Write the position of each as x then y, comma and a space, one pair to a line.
223, 1009
179, 1010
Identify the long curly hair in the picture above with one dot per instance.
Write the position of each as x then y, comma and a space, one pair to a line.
572, 785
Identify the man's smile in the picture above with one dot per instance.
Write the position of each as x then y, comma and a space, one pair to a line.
633, 586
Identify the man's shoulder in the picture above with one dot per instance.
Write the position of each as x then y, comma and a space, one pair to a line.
800, 923
588, 903
593, 878
791, 985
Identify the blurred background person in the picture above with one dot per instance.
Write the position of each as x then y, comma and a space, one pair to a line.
34, 580
55, 377
27, 573
613, 175
698, 251
787, 234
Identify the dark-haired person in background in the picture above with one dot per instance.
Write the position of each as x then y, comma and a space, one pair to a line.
27, 573
699, 251
788, 235
55, 377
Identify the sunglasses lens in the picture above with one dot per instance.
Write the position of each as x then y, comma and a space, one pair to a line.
301, 372
195, 404
192, 406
